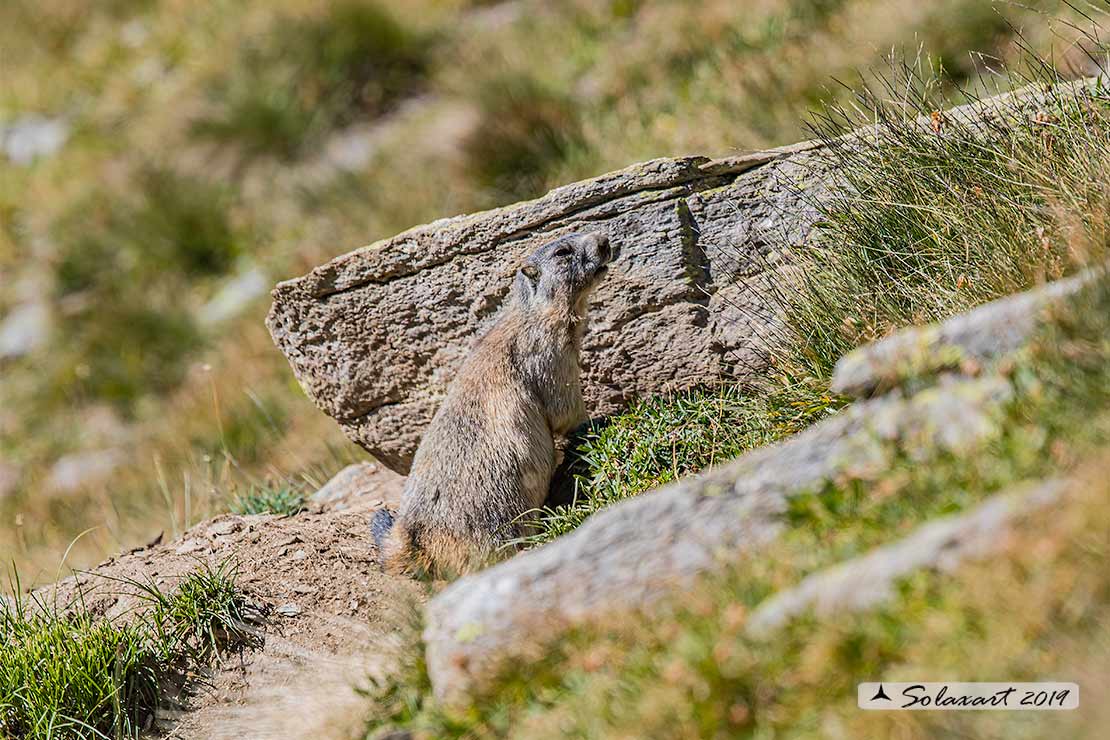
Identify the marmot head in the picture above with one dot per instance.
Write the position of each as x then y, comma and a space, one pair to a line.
565, 270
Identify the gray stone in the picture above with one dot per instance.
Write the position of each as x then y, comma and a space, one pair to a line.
986, 333
30, 137
24, 329
941, 545
361, 480
627, 557
288, 610
190, 546
81, 469
224, 526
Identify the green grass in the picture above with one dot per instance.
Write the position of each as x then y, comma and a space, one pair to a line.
68, 673
930, 219
204, 618
283, 499
306, 77
662, 439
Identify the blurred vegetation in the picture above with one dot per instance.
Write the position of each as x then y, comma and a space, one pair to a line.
306, 76
123, 268
525, 131
244, 429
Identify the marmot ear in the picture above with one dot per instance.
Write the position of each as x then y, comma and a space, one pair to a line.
530, 271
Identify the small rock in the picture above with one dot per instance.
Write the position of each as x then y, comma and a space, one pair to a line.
100, 607
24, 329
350, 481
288, 610
225, 527
80, 469
353, 605
302, 588
235, 295
30, 137
300, 555
189, 546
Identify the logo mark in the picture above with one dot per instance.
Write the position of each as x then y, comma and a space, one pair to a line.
880, 694
963, 696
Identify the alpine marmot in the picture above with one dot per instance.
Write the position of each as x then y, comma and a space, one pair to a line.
488, 456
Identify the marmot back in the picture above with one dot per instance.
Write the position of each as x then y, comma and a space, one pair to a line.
489, 453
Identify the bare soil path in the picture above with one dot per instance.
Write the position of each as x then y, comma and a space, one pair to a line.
331, 616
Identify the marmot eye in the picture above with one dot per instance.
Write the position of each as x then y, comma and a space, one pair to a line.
564, 252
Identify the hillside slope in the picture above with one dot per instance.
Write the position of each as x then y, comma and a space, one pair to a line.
164, 163
968, 472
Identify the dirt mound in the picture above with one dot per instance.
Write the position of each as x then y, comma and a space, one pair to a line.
328, 611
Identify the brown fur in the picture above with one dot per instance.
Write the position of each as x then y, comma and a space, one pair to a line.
488, 456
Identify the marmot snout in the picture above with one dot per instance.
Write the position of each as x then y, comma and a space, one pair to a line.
489, 453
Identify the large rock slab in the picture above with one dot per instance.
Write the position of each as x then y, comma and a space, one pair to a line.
982, 335
375, 336
942, 545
